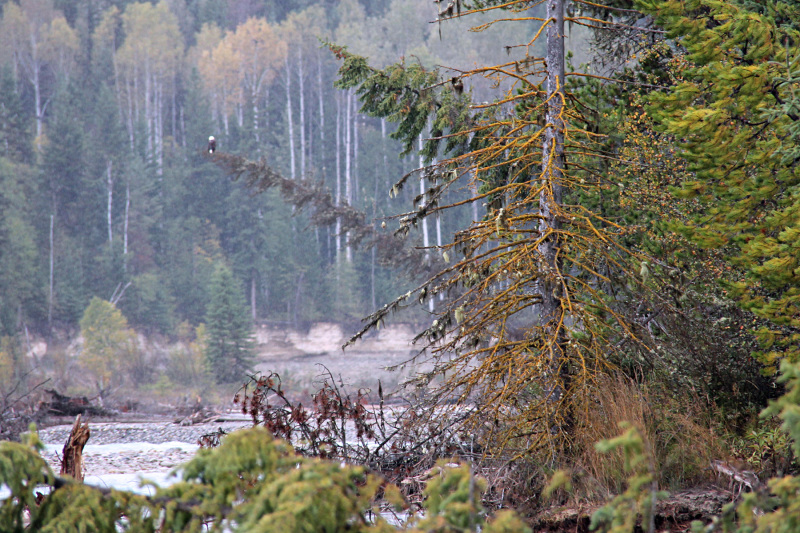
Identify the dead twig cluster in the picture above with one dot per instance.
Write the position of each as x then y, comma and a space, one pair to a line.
400, 441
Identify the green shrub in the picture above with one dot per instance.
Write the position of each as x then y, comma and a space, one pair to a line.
252, 483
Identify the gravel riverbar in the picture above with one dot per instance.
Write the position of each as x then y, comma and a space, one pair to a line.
132, 448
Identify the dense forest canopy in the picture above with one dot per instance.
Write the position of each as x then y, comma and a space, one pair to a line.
602, 248
106, 108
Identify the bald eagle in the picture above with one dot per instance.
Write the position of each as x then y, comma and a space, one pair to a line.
212, 145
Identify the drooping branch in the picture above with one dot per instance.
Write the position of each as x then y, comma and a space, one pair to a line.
394, 250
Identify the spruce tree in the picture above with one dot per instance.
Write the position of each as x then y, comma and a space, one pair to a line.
16, 134
736, 108
229, 351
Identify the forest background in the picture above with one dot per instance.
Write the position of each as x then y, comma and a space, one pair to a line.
674, 292
106, 111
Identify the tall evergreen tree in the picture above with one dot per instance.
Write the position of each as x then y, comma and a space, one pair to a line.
229, 351
16, 134
20, 297
737, 110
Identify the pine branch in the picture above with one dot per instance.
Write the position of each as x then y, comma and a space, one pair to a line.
394, 250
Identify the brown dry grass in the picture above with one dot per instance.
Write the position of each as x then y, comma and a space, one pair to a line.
678, 432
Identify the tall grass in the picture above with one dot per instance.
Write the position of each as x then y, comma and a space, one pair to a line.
678, 432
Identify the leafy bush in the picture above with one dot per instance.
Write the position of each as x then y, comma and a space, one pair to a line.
252, 483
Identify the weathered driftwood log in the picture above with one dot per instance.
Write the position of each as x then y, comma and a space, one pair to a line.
72, 455
70, 405
739, 479
675, 513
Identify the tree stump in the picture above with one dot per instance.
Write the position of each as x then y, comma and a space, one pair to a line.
72, 455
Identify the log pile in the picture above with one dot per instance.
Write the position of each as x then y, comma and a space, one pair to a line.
62, 405
203, 415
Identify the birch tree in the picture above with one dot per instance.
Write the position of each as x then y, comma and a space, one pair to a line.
149, 61
258, 52
218, 66
38, 39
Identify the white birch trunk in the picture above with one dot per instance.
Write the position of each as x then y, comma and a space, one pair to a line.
110, 184
215, 109
289, 120
425, 236
125, 225
355, 149
302, 100
183, 127
256, 133
148, 117
130, 115
34, 75
158, 126
37, 97
135, 95
253, 313
52, 276
385, 153
338, 172
321, 104
348, 179
174, 115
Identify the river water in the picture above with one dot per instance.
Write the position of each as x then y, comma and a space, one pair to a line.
121, 455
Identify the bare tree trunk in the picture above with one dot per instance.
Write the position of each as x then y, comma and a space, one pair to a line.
183, 128
158, 126
255, 117
302, 100
240, 109
125, 224
131, 134
348, 178
253, 312
473, 188
110, 183
355, 149
37, 97
550, 199
72, 454
321, 105
289, 120
372, 279
135, 95
174, 115
148, 111
425, 237
383, 149
338, 172
52, 268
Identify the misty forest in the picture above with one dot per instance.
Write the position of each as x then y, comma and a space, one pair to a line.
460, 265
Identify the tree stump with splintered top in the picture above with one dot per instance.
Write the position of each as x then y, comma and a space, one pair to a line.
72, 455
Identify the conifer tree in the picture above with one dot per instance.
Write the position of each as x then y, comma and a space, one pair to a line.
532, 313
229, 349
251, 482
736, 109
16, 135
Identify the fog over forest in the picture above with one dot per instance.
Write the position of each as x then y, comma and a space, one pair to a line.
558, 240
106, 108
